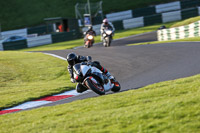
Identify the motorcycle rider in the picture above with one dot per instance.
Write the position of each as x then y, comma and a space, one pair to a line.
89, 31
106, 25
73, 59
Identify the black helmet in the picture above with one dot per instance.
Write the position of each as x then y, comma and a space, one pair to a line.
90, 28
71, 58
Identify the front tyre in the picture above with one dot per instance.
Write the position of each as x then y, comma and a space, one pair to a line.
104, 42
108, 42
87, 44
95, 87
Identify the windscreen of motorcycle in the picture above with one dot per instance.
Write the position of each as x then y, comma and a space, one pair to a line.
85, 69
77, 69
94, 69
108, 32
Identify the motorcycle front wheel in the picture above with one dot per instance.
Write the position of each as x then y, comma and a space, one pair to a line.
97, 88
107, 42
87, 45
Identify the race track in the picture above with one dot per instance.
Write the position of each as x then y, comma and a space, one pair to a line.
138, 66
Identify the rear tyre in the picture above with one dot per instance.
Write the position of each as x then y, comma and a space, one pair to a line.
95, 87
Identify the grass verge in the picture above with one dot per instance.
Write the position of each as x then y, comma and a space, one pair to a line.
186, 22
171, 106
79, 42
27, 76
193, 39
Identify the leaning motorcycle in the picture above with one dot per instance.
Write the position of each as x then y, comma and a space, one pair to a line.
107, 37
92, 78
89, 41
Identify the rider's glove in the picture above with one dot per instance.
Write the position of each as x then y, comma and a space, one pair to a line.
72, 80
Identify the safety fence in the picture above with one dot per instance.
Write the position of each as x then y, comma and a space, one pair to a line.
191, 30
39, 40
119, 15
171, 16
133, 23
172, 6
152, 10
34, 40
19, 32
161, 13
152, 19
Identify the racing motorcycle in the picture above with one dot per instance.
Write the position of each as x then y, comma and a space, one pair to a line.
89, 40
92, 78
107, 37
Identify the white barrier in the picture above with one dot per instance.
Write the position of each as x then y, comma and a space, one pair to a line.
191, 30
172, 6
119, 15
39, 40
181, 32
171, 16
133, 23
19, 32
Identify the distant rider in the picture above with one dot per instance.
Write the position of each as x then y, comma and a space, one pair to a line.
106, 25
73, 59
89, 31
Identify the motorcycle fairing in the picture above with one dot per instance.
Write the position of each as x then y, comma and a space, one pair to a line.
97, 72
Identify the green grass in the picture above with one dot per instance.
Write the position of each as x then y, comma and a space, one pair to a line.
23, 13
79, 42
27, 76
169, 107
192, 39
186, 22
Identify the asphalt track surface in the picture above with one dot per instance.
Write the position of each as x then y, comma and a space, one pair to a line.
138, 66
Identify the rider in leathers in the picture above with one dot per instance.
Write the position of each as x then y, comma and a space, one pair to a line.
89, 31
106, 25
73, 59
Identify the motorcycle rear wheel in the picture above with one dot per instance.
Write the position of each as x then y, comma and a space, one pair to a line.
95, 87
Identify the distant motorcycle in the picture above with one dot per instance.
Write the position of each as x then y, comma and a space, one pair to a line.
89, 40
92, 78
107, 37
